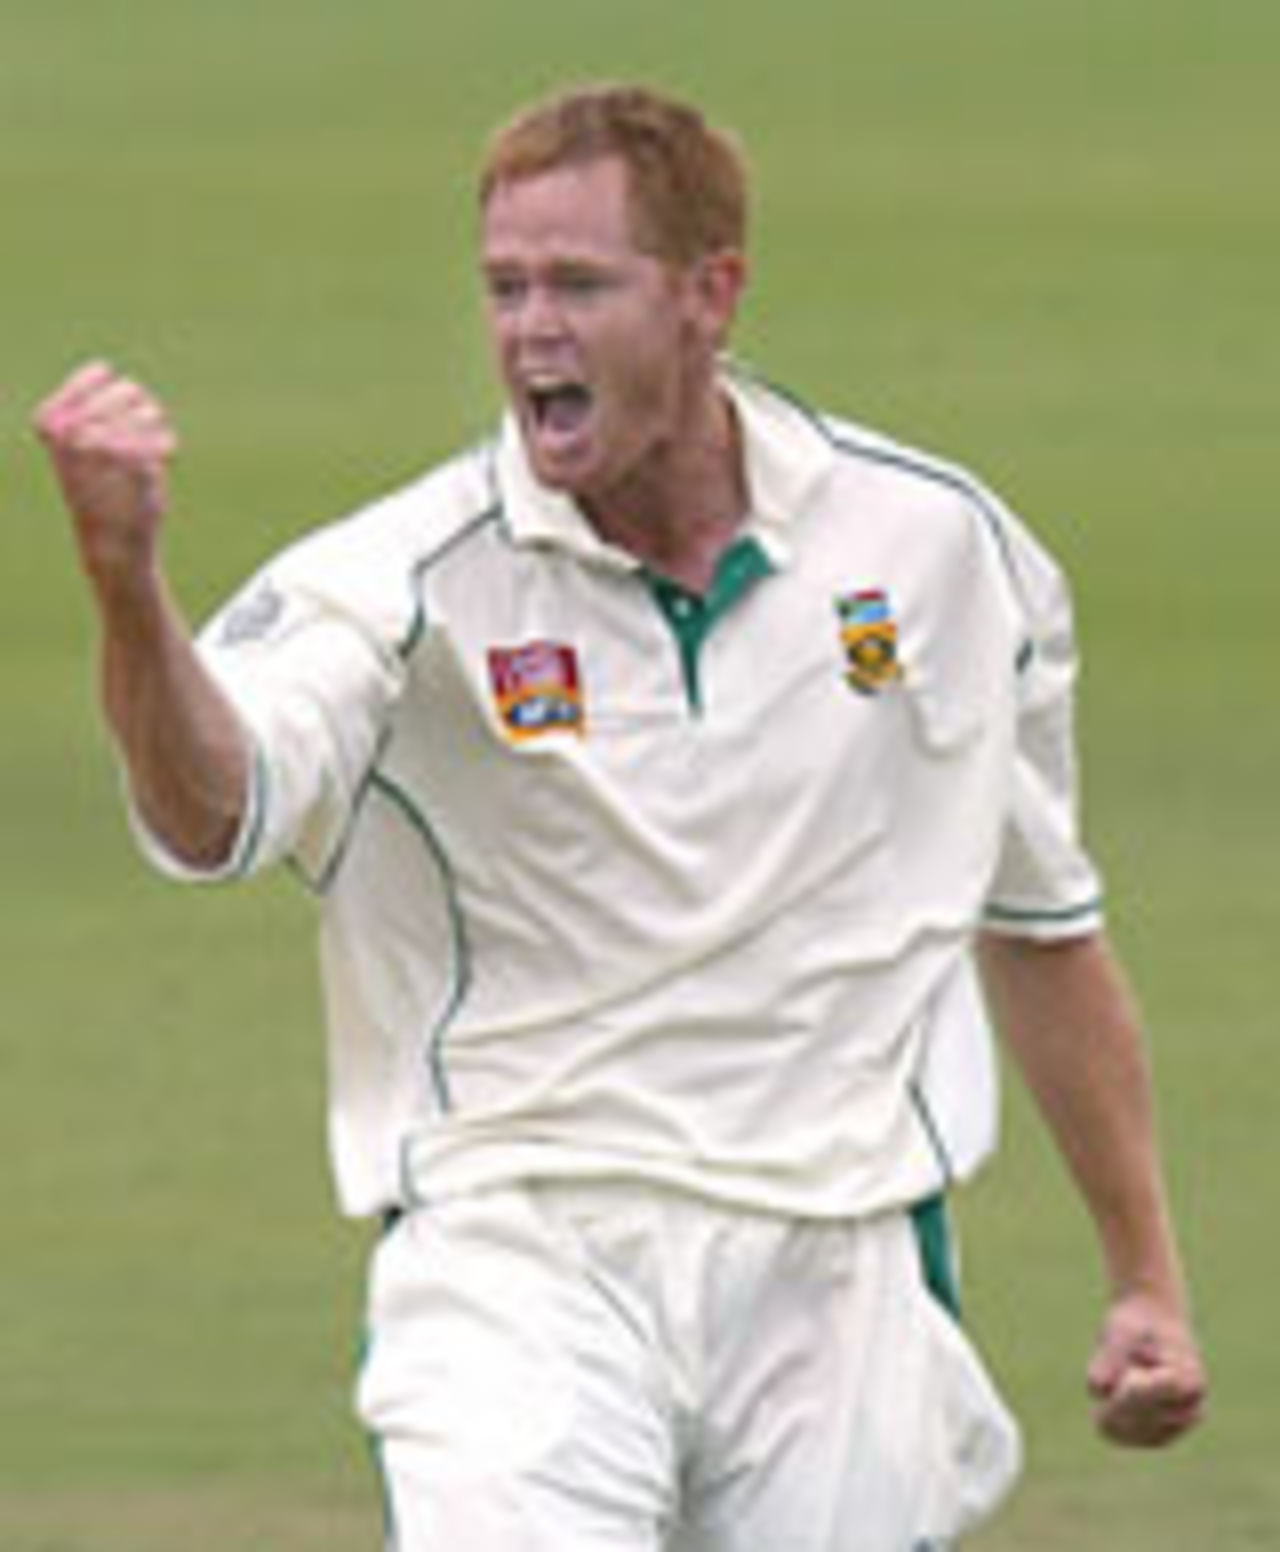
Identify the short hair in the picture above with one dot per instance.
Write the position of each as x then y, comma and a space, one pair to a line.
687, 180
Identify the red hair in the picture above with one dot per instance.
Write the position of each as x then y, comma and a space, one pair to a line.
687, 181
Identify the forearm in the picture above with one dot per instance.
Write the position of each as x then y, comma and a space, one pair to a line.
110, 441
181, 741
1074, 1031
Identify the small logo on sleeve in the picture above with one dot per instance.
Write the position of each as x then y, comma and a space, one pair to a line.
537, 689
253, 616
869, 635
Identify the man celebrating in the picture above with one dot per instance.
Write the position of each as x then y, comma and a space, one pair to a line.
662, 768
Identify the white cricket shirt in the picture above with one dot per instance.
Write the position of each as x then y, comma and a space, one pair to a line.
617, 881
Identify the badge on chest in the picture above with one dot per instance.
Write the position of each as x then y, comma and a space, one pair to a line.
537, 689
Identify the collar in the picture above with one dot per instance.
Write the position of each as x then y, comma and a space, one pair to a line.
787, 457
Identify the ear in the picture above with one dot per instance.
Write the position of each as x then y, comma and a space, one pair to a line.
717, 283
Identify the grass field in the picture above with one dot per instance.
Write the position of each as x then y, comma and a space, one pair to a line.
1041, 238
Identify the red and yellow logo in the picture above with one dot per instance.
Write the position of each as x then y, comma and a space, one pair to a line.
537, 689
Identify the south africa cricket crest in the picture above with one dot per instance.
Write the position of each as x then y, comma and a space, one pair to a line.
869, 635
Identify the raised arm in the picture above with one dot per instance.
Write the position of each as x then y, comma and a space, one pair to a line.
1071, 1023
110, 443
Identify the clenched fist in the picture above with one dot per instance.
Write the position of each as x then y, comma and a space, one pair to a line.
1146, 1377
110, 442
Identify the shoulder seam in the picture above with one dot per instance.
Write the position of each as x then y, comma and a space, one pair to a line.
893, 455
937, 473
418, 571
970, 491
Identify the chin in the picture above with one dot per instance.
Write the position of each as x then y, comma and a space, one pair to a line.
559, 475
553, 476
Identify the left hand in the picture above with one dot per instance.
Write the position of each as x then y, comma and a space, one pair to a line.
1146, 1376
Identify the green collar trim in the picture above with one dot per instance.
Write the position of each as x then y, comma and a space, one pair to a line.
692, 616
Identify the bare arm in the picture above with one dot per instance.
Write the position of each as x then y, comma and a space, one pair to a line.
110, 443
1074, 1030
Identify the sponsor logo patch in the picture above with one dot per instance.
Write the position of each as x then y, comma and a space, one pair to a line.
869, 635
537, 689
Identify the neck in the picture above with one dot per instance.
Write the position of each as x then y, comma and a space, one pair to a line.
682, 510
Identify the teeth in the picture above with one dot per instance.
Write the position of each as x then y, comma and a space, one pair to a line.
542, 389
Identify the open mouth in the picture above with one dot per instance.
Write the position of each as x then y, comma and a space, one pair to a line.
559, 408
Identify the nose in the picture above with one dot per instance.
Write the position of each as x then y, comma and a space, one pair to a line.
540, 317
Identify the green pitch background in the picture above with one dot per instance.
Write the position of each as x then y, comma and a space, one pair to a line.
1042, 238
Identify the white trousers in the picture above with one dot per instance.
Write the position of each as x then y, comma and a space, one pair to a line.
617, 1369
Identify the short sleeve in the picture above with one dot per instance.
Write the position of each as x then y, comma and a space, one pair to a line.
1045, 885
313, 689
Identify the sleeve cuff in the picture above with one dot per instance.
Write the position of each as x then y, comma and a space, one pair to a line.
1045, 924
245, 854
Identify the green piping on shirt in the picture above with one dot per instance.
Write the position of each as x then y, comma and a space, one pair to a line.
418, 622
845, 440
436, 1038
1015, 916
245, 855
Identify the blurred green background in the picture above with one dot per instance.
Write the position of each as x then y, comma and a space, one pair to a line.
1041, 238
